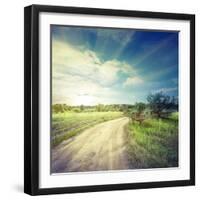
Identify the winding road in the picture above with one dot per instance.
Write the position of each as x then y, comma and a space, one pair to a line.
102, 147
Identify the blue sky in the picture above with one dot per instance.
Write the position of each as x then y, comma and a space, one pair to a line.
112, 66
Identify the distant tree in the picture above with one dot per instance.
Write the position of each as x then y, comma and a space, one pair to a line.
140, 107
124, 108
99, 107
65, 107
58, 108
174, 103
137, 113
159, 102
81, 108
76, 109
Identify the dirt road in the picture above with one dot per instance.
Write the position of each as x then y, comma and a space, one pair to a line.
102, 147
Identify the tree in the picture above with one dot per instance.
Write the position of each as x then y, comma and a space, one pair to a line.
58, 108
159, 102
81, 108
137, 114
140, 107
99, 108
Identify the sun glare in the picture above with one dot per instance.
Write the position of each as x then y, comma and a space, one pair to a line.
85, 100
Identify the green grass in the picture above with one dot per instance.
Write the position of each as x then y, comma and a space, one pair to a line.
154, 143
174, 116
68, 124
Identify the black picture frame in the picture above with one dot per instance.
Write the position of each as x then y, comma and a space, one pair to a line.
31, 98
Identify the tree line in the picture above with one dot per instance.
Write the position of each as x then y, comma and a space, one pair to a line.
158, 104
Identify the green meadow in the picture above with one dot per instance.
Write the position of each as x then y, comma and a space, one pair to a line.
154, 143
68, 124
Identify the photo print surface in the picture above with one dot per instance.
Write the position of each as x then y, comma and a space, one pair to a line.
114, 99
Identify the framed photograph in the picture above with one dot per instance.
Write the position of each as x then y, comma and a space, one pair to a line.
109, 99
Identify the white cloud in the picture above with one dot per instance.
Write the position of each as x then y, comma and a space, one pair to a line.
166, 90
69, 88
71, 60
80, 71
133, 81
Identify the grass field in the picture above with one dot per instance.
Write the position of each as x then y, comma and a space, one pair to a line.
69, 124
154, 143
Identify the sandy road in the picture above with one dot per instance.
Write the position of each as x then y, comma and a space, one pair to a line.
102, 147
